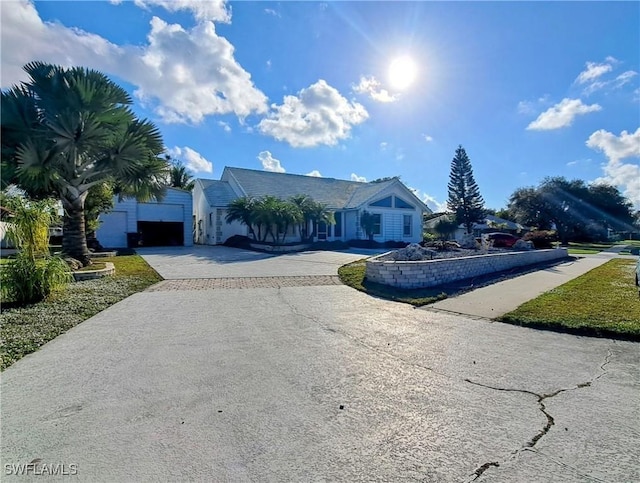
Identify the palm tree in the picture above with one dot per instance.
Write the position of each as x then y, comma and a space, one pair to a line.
243, 210
66, 130
179, 176
318, 213
304, 204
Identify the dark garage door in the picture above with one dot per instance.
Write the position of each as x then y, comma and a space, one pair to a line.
161, 233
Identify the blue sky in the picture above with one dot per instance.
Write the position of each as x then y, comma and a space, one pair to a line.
529, 89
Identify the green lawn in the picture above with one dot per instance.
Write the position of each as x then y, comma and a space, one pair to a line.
602, 302
23, 330
352, 275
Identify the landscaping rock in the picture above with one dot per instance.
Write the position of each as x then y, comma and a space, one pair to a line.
523, 245
469, 242
73, 263
413, 252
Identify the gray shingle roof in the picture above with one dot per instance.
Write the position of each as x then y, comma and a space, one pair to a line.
335, 193
218, 193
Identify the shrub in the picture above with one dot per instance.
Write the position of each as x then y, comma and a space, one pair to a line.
237, 241
541, 238
330, 245
27, 280
363, 243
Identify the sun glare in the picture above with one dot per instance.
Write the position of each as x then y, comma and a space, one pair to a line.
402, 72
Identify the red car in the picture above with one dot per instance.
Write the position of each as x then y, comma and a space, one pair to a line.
502, 240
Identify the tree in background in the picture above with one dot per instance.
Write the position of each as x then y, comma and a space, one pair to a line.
577, 211
445, 228
67, 130
179, 176
464, 199
243, 210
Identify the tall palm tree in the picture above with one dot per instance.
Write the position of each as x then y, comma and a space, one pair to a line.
66, 130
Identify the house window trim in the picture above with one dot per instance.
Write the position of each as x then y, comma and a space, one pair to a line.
404, 225
379, 233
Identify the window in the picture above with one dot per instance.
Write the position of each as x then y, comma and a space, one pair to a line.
407, 225
383, 203
377, 224
337, 228
210, 219
400, 203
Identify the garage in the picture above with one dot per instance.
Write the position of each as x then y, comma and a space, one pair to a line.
155, 223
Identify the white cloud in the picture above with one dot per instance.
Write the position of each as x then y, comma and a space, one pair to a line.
370, 86
625, 78
270, 11
383, 146
617, 148
202, 10
562, 114
428, 138
399, 154
430, 201
225, 126
165, 78
315, 173
192, 159
317, 115
594, 70
269, 163
359, 179
572, 163
531, 107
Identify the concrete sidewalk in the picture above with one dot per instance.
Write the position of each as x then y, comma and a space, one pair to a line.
502, 297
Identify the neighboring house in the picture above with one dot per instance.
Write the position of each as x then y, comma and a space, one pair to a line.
167, 222
491, 223
398, 211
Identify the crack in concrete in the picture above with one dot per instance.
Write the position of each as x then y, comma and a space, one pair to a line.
484, 468
356, 340
529, 446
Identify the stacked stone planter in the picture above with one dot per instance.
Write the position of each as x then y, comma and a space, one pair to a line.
431, 273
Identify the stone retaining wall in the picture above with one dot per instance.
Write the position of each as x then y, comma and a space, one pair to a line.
430, 273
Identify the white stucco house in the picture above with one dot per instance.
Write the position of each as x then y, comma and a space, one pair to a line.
167, 222
397, 210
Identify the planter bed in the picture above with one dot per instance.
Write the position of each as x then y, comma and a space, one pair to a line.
107, 271
431, 273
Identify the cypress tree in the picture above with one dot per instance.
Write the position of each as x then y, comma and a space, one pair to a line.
464, 200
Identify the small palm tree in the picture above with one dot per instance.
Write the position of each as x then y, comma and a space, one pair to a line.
243, 210
66, 130
34, 273
367, 222
319, 213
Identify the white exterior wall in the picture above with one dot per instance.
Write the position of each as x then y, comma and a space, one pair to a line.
200, 211
128, 212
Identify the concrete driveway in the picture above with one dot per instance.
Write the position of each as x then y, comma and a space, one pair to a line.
319, 383
223, 262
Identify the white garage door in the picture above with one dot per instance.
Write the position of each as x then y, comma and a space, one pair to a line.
112, 232
160, 212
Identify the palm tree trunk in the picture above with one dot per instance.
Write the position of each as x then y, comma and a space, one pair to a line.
74, 240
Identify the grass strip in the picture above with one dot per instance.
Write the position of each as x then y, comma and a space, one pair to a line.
603, 302
352, 275
24, 329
